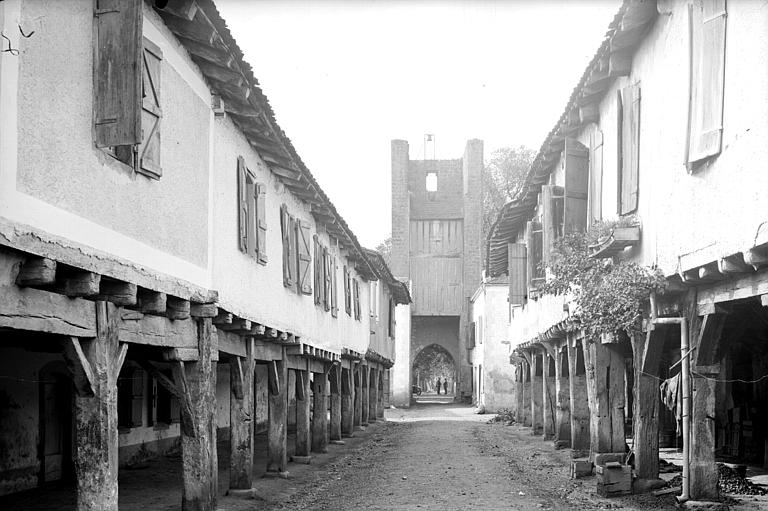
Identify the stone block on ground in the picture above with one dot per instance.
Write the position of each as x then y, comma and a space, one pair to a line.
581, 468
614, 480
602, 458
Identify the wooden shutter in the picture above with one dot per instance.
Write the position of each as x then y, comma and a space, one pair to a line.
137, 397
356, 298
261, 223
576, 187
391, 318
596, 177
318, 269
347, 292
286, 229
326, 279
707, 54
304, 258
534, 241
334, 288
242, 205
117, 72
518, 284
629, 148
551, 217
151, 114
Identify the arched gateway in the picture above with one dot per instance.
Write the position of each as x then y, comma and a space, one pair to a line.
436, 245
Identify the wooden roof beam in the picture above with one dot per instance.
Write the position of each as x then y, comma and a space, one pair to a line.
619, 64
189, 29
205, 52
184, 9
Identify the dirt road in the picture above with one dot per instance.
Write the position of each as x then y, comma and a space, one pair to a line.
443, 457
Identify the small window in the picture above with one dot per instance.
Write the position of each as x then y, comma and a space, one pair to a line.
356, 298
431, 182
347, 291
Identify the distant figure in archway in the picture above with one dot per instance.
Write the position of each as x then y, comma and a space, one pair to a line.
445, 385
438, 386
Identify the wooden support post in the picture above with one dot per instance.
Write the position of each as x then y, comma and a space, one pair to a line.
562, 399
577, 389
527, 395
373, 394
303, 432
277, 433
358, 396
605, 376
197, 383
547, 397
364, 394
347, 403
647, 350
319, 413
380, 394
537, 385
703, 468
96, 446
335, 381
241, 419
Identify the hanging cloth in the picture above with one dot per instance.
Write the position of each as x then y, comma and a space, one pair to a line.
670, 396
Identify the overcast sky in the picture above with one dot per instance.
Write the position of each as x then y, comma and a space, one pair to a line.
346, 77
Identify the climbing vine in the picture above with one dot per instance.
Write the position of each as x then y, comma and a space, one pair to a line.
608, 293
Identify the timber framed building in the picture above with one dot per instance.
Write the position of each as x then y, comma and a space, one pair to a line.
667, 124
170, 268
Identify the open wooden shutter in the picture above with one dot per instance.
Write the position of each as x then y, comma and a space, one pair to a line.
326, 279
242, 205
391, 319
286, 229
261, 222
596, 177
303, 237
137, 397
334, 288
551, 217
518, 284
707, 24
576, 187
347, 292
534, 241
356, 297
629, 148
151, 114
117, 72
318, 269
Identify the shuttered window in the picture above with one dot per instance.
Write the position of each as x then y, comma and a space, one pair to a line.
629, 148
596, 177
289, 257
391, 318
117, 61
356, 298
707, 54
318, 269
347, 292
552, 198
534, 269
334, 288
304, 257
518, 283
575, 191
151, 114
251, 208
326, 279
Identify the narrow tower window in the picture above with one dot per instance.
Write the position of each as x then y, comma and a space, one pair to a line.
432, 181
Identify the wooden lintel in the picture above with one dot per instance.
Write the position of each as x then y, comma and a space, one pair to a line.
177, 308
181, 354
79, 366
118, 292
37, 271
267, 351
82, 284
237, 377
203, 310
733, 264
273, 379
710, 308
151, 302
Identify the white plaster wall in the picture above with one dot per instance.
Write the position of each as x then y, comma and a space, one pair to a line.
693, 219
401, 371
535, 317
54, 179
256, 291
381, 343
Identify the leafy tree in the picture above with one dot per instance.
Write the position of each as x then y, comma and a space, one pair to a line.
385, 249
502, 177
